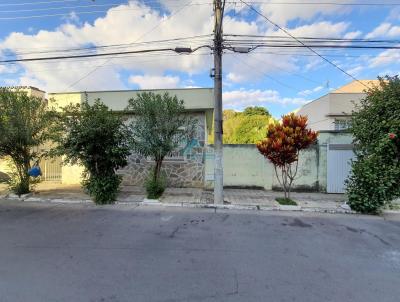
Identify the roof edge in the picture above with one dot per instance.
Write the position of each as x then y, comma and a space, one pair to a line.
128, 90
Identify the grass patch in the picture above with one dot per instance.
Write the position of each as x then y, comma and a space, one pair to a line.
286, 201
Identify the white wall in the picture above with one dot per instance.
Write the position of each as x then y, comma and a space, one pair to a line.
321, 112
317, 112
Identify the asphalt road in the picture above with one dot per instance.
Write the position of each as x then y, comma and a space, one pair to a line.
85, 253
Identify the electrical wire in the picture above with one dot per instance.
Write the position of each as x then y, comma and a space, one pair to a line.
137, 40
302, 43
252, 68
199, 39
376, 4
89, 12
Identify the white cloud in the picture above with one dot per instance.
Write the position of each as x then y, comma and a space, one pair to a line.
136, 22
387, 57
8, 68
154, 82
242, 98
353, 34
234, 77
116, 27
355, 71
282, 14
384, 30
310, 91
321, 29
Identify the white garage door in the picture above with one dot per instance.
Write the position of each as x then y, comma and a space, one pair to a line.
338, 166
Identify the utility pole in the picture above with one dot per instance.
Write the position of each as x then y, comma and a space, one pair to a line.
218, 148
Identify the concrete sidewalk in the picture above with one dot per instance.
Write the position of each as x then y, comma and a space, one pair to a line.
194, 197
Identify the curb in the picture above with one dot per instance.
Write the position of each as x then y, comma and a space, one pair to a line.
146, 202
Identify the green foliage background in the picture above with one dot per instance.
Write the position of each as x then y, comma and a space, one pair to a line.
247, 127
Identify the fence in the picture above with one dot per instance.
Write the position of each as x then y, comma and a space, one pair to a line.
51, 169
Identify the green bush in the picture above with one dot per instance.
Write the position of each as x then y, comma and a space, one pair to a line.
375, 177
103, 188
286, 201
155, 187
96, 138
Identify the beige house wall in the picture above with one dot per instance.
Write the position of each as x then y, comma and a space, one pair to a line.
198, 102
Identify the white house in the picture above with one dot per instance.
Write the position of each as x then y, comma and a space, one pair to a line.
330, 115
333, 110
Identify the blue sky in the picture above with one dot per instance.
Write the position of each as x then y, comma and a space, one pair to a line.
279, 79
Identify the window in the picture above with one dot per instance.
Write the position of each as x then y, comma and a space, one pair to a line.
342, 124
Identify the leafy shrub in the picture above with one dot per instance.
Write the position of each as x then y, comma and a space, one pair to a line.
286, 201
95, 137
375, 177
155, 187
103, 188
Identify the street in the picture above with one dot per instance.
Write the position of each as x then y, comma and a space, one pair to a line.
55, 252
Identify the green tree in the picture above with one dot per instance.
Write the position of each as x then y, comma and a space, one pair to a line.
231, 122
159, 126
25, 123
256, 110
375, 177
246, 127
97, 138
251, 129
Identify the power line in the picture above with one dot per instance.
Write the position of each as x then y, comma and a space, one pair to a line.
319, 39
83, 13
153, 4
299, 41
137, 40
158, 57
286, 71
297, 54
256, 45
37, 2
109, 5
85, 55
252, 68
322, 3
198, 39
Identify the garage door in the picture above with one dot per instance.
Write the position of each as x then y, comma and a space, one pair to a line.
338, 166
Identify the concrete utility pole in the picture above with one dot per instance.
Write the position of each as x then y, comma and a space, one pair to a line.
218, 148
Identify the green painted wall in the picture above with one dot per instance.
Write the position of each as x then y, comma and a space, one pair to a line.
244, 166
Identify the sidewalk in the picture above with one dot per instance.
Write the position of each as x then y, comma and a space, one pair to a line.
193, 197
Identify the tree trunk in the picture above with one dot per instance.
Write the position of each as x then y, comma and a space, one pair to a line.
25, 181
157, 170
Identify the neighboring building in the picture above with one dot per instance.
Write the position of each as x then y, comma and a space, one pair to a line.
333, 110
183, 168
30, 90
330, 115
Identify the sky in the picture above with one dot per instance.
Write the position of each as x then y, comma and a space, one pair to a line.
279, 79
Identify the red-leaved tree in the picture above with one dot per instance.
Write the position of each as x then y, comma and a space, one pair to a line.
282, 146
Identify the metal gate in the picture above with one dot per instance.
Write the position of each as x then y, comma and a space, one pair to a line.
51, 169
338, 166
